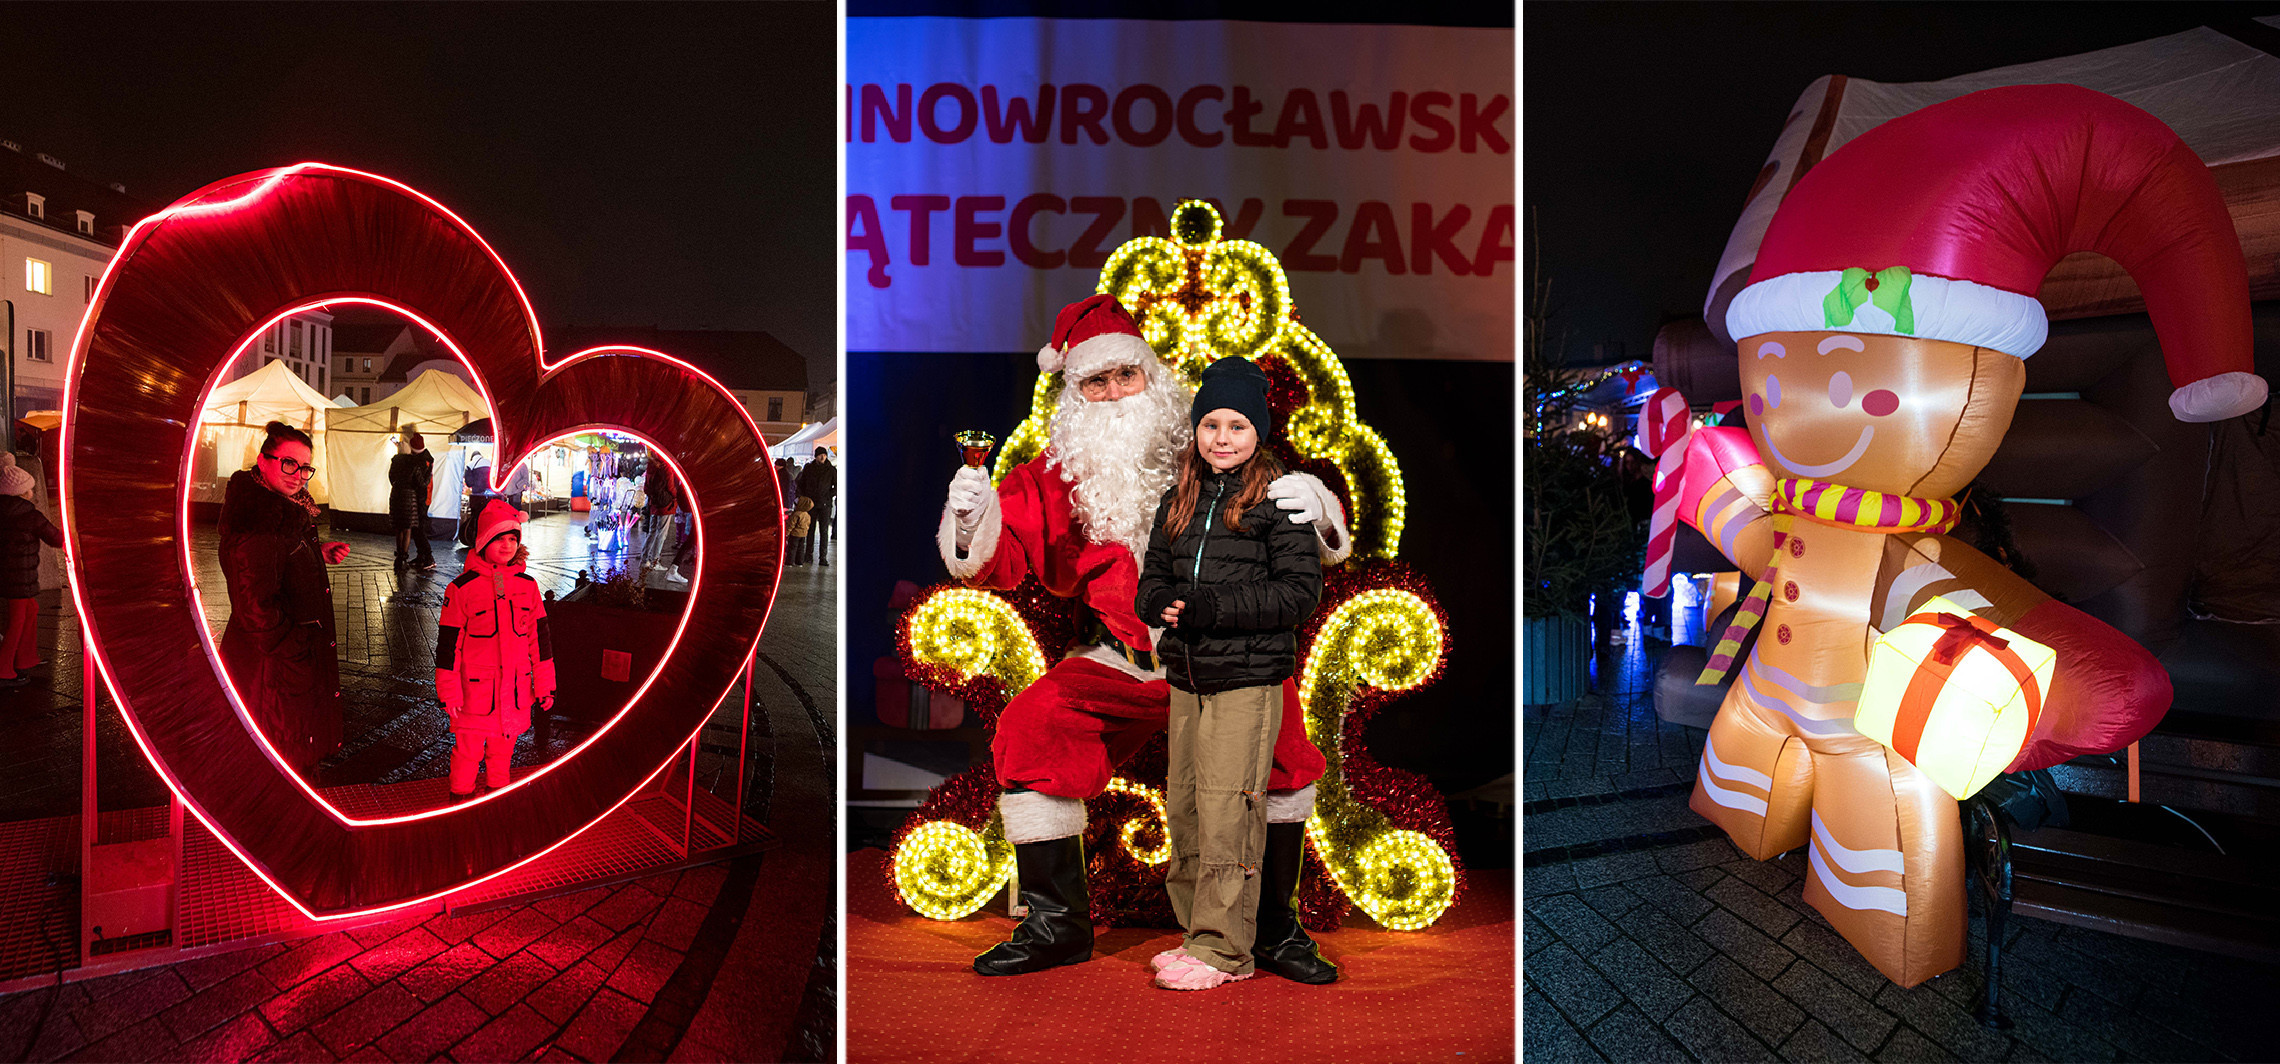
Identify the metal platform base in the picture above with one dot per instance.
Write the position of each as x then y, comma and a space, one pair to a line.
224, 906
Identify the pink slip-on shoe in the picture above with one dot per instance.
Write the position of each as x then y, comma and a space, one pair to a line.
1194, 975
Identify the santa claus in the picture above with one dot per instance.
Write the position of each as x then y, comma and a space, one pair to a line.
1076, 518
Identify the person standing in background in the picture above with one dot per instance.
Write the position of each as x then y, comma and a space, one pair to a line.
820, 482
411, 486
22, 529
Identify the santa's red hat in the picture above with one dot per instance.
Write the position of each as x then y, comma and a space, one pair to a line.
1942, 223
1092, 335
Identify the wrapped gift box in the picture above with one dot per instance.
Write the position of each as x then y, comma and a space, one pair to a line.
1955, 694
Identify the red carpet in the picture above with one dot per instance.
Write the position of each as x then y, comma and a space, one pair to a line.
1443, 994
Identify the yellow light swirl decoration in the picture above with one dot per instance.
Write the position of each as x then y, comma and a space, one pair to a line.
1199, 298
1388, 639
975, 632
1132, 828
946, 871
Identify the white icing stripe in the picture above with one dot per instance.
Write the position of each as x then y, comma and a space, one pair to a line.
1730, 523
1780, 705
1835, 694
1748, 803
1887, 899
1856, 861
1734, 773
1904, 588
1970, 600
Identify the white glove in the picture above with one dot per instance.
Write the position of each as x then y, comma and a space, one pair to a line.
1303, 497
966, 491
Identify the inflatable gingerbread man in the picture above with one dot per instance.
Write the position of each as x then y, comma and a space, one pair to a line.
1882, 340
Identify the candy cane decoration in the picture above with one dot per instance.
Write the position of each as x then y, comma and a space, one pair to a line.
1664, 427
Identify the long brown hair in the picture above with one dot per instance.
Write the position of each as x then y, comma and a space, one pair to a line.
1259, 472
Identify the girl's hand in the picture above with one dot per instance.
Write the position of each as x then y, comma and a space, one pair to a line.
546, 703
1172, 613
336, 553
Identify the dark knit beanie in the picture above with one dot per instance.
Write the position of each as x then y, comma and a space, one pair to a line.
1233, 383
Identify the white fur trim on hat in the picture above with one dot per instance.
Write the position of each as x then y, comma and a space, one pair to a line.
1033, 817
1290, 807
2226, 395
1049, 360
1962, 312
1105, 351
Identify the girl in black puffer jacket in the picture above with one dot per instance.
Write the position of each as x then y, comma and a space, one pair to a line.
1230, 580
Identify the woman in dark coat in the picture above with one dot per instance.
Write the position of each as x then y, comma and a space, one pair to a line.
279, 645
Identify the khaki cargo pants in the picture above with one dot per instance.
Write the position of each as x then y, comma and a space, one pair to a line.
1222, 746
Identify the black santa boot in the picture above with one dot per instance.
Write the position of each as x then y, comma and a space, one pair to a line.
1283, 947
1058, 929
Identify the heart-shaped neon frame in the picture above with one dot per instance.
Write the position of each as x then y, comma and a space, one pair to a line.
189, 288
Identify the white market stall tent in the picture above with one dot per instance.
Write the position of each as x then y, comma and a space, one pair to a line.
800, 446
360, 441
232, 425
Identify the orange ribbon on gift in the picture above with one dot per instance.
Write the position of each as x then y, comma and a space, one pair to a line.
1962, 633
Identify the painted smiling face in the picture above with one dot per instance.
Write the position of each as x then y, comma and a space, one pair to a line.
1886, 413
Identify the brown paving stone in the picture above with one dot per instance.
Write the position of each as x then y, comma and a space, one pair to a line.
566, 945
626, 906
208, 971
1748, 999
1847, 1013
223, 1001
1748, 946
520, 929
309, 958
148, 1040
363, 1021
508, 982
600, 1028
676, 924
231, 1042
510, 1036
124, 1005
562, 907
445, 972
299, 1049
455, 929
314, 1000
1815, 1043
1751, 904
644, 970
439, 1027
561, 998
701, 884
397, 955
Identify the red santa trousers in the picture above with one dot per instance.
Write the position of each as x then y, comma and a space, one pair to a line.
1065, 734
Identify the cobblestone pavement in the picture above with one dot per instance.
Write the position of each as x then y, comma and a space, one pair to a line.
1648, 937
723, 962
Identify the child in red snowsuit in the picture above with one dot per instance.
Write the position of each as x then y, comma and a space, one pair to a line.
494, 656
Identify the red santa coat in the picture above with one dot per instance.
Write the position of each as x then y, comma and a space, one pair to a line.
1065, 734
494, 655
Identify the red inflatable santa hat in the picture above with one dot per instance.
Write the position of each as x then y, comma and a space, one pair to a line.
1942, 223
1092, 335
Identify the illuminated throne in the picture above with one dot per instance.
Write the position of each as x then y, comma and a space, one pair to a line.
1380, 837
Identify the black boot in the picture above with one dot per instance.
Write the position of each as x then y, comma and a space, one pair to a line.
1058, 929
1283, 947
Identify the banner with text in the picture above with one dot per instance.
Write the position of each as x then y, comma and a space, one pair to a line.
993, 165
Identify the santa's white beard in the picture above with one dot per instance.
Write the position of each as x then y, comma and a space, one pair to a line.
1121, 457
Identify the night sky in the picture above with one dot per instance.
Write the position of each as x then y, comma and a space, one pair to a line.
1644, 124
639, 164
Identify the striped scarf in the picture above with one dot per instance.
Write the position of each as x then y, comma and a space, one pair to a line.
1838, 507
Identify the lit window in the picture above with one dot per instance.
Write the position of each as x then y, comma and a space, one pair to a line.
35, 205
368, 365
36, 346
39, 277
